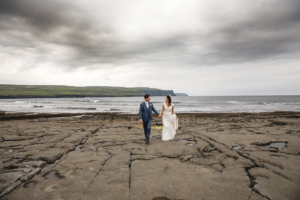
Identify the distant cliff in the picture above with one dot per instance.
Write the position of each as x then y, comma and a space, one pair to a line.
60, 91
159, 92
181, 94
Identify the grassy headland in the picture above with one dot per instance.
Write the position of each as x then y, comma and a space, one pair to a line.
57, 91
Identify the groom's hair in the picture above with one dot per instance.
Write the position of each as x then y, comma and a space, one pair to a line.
146, 96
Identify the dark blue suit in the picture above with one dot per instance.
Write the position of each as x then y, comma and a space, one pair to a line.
146, 115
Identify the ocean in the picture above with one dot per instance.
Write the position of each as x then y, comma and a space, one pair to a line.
193, 104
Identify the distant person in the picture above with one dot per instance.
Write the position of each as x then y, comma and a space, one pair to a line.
145, 115
169, 120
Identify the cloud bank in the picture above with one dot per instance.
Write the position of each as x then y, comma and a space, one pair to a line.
172, 35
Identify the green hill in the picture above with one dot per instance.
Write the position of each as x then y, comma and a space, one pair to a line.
59, 91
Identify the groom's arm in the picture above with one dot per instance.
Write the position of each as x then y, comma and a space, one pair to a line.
140, 112
155, 110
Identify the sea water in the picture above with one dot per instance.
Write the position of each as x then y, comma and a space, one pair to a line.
192, 104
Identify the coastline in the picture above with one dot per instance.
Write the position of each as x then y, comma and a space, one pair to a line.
129, 105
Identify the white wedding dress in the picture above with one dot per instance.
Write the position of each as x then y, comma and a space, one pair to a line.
170, 123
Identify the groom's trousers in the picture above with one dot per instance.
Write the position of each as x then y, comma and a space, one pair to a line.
147, 128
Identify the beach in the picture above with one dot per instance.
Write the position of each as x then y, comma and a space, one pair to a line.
86, 156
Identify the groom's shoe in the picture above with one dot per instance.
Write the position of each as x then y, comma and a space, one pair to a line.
147, 142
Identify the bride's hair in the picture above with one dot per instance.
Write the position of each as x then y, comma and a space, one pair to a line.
170, 100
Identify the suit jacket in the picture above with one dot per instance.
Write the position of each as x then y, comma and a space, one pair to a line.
146, 113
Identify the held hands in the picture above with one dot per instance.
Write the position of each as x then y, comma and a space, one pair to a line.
159, 115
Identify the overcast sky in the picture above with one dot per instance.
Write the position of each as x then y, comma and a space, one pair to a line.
232, 47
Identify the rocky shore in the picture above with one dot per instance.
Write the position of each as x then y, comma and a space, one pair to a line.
104, 156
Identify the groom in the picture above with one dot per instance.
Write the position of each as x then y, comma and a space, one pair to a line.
145, 115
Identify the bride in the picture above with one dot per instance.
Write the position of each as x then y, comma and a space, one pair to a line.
169, 120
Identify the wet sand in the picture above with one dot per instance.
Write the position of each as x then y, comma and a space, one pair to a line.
104, 156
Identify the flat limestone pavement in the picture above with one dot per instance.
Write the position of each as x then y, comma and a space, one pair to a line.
104, 156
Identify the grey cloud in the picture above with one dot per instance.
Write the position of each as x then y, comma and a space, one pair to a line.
28, 23
264, 35
265, 31
40, 15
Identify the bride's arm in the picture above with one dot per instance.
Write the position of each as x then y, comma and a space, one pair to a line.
162, 110
173, 110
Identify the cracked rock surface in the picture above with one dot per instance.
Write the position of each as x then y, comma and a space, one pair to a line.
104, 156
